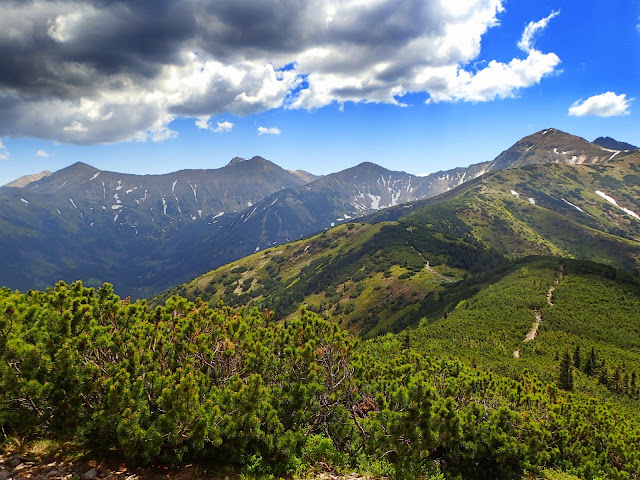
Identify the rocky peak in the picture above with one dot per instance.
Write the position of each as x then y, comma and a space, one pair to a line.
236, 160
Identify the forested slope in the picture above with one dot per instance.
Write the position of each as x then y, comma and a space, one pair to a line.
184, 382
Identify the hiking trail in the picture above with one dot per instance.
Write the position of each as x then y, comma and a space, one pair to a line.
531, 335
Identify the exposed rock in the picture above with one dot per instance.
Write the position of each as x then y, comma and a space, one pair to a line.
90, 474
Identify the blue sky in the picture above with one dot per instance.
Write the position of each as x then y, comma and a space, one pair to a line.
418, 86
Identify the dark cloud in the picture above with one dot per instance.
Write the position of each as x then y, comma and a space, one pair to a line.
89, 71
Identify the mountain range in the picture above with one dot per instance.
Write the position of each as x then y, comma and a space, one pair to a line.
495, 308
394, 266
148, 233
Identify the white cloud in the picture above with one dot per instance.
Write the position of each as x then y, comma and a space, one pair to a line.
223, 127
203, 123
104, 85
4, 153
2, 147
527, 41
269, 131
497, 79
607, 104
42, 153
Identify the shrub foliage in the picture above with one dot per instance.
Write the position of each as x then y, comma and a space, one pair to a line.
185, 381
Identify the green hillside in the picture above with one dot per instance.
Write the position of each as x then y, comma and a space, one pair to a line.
367, 278
544, 209
383, 276
491, 332
586, 309
186, 383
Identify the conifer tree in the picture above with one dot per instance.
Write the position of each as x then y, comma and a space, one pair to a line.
590, 364
604, 374
565, 377
577, 360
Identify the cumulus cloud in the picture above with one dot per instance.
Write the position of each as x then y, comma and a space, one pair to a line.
96, 71
269, 131
607, 104
497, 79
221, 127
42, 153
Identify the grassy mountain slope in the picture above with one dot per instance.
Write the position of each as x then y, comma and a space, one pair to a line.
544, 209
367, 277
147, 233
582, 306
382, 276
552, 146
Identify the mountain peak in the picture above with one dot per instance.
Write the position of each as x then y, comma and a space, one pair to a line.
254, 159
236, 160
612, 144
78, 167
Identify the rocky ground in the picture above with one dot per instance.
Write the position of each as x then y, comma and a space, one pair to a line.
52, 465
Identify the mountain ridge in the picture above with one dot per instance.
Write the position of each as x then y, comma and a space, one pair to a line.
414, 251
78, 221
612, 144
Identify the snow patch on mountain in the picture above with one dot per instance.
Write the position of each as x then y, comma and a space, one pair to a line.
612, 201
375, 201
574, 206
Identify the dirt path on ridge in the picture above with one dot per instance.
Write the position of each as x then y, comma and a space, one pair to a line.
531, 335
428, 267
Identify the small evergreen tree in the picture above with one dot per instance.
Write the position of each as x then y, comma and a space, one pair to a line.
604, 374
565, 377
577, 360
590, 364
